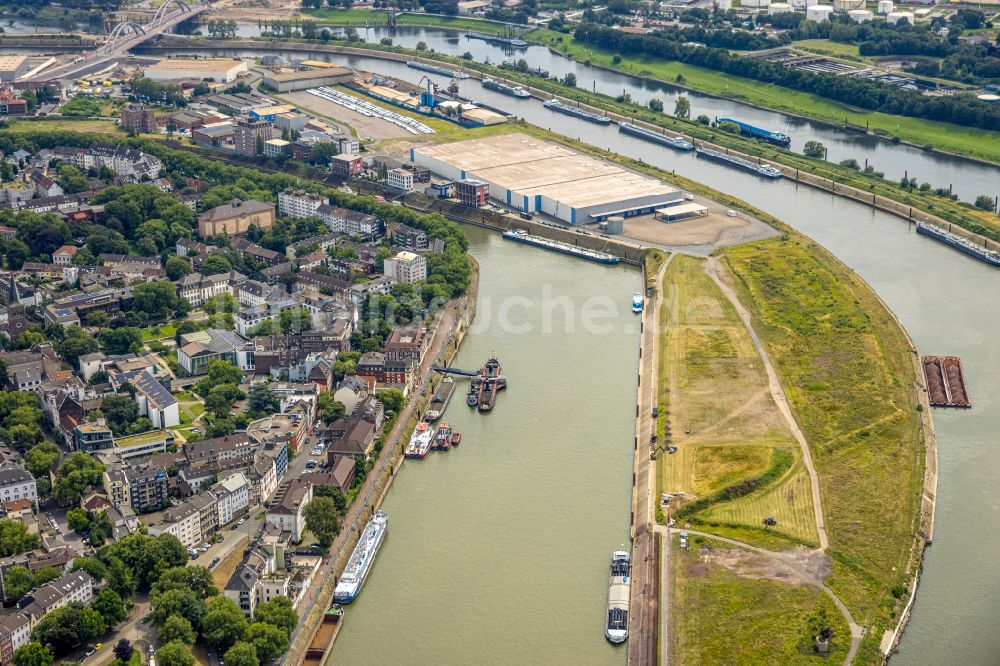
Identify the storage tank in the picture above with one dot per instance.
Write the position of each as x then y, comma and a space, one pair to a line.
895, 17
885, 7
847, 5
819, 13
779, 8
989, 98
616, 224
724, 5
755, 3
860, 15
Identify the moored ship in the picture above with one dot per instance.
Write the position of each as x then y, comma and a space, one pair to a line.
505, 41
441, 399
592, 255
616, 629
361, 559
420, 441
959, 243
505, 88
556, 105
674, 142
765, 170
637, 302
443, 440
777, 138
435, 69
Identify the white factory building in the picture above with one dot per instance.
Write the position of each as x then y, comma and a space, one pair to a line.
222, 70
535, 176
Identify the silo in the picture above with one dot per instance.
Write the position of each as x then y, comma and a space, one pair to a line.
755, 3
779, 8
819, 13
885, 7
724, 5
895, 17
847, 5
860, 15
616, 225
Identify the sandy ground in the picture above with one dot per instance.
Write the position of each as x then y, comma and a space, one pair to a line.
754, 565
366, 128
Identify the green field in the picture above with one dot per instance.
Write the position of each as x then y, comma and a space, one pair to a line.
731, 616
358, 17
846, 367
163, 332
828, 47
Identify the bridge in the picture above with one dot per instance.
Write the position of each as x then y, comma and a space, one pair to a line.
126, 36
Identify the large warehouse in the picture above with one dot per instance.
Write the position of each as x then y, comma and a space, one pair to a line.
223, 70
540, 177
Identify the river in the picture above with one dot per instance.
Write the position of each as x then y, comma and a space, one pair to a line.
950, 308
497, 551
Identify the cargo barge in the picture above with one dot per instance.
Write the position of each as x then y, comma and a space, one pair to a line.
959, 243
619, 595
505, 88
674, 142
435, 69
945, 382
777, 138
765, 170
512, 42
441, 399
556, 105
521, 236
362, 559
534, 71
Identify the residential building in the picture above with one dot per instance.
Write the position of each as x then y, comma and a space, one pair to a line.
153, 399
287, 511
207, 505
263, 477
298, 203
406, 267
17, 483
116, 486
250, 135
348, 145
15, 633
76, 587
275, 148
321, 242
144, 445
233, 495
64, 255
196, 288
269, 257
148, 486
183, 521
374, 365
347, 165
236, 218
407, 237
349, 438
219, 449
138, 119
94, 436
350, 222
400, 179
406, 344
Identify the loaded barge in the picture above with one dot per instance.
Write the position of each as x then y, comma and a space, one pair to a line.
777, 138
674, 142
513, 42
765, 170
435, 69
361, 559
522, 236
619, 591
441, 399
945, 381
959, 243
556, 105
505, 88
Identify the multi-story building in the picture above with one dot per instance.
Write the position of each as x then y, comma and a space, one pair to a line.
236, 218
148, 486
471, 192
153, 399
374, 365
350, 222
199, 348
298, 203
249, 135
116, 486
15, 633
94, 436
287, 511
64, 255
207, 505
347, 165
17, 483
263, 477
143, 445
406, 267
275, 148
406, 344
233, 494
219, 449
139, 119
407, 237
183, 521
76, 587
349, 438
400, 179
196, 288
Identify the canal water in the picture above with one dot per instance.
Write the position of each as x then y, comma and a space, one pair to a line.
497, 551
947, 302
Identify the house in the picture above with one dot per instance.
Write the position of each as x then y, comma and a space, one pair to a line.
236, 218
407, 237
64, 255
15, 633
287, 510
196, 289
269, 257
340, 476
349, 438
182, 521
219, 449
75, 587
406, 267
199, 348
233, 495
375, 366
154, 400
406, 344
17, 483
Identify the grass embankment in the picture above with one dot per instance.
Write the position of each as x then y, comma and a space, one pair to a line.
846, 367
87, 125
829, 47
944, 136
722, 617
733, 445
358, 17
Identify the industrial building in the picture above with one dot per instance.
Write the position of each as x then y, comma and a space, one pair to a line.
12, 67
310, 78
224, 70
535, 176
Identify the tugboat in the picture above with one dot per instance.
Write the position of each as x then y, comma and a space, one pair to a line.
456, 438
443, 440
472, 397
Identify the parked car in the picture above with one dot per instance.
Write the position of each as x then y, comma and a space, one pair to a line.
89, 651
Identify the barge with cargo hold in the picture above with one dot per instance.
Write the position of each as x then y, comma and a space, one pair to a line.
435, 69
959, 243
521, 236
513, 42
556, 105
765, 170
619, 591
442, 396
505, 88
362, 559
777, 138
674, 142
945, 381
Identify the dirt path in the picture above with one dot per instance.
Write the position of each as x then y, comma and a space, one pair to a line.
778, 393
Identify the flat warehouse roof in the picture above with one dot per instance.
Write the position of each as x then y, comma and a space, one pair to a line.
494, 151
684, 209
538, 173
217, 65
621, 186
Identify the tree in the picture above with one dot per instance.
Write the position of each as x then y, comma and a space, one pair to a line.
242, 654
77, 472
91, 565
216, 264
682, 107
570, 80
32, 654
157, 299
17, 580
224, 624
328, 409
392, 399
176, 628
77, 343
814, 149
219, 372
196, 579
110, 606
334, 493
182, 603
121, 340
268, 640
120, 579
985, 202
123, 650
67, 627
41, 458
278, 612
177, 267
174, 653
15, 539
262, 399
78, 519
656, 105
321, 520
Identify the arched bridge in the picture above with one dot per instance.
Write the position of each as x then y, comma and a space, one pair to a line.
123, 32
